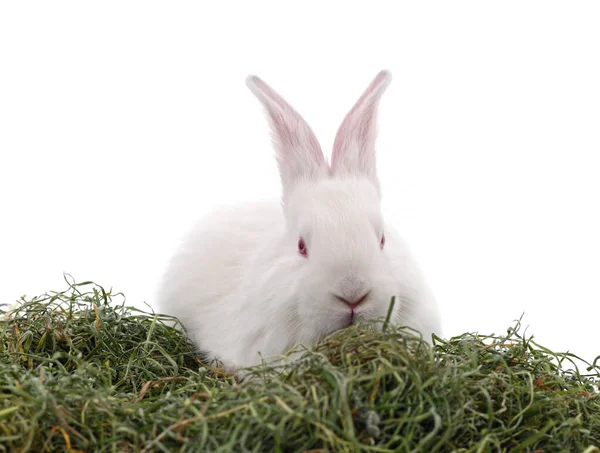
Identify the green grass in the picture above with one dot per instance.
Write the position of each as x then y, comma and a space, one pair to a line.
81, 372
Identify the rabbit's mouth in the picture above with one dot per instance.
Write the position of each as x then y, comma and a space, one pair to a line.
343, 322
351, 319
347, 324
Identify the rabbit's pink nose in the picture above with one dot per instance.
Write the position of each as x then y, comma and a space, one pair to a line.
353, 303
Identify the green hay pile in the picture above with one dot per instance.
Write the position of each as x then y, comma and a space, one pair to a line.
79, 373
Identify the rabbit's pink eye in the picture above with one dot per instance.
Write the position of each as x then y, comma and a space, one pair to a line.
302, 247
382, 243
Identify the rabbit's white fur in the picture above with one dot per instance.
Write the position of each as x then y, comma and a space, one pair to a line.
238, 282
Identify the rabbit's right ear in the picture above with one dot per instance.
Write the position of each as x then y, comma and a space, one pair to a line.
299, 154
354, 144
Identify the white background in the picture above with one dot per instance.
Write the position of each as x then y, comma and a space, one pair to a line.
121, 122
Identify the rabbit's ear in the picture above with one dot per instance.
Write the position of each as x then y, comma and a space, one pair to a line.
299, 154
354, 145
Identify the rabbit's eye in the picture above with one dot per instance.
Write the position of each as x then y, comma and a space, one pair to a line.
302, 247
382, 243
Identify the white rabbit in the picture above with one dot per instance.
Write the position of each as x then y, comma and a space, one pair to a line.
256, 280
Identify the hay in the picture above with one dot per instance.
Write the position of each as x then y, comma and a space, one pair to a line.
80, 371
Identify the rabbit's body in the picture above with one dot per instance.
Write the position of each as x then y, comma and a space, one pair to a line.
204, 285
256, 280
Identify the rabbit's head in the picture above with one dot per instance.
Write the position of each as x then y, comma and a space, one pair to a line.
334, 226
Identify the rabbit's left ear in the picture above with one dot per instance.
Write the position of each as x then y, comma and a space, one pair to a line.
299, 154
354, 145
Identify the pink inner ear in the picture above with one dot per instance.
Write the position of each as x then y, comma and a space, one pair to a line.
357, 132
299, 153
295, 136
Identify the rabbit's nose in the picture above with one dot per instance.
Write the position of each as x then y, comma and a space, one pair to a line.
354, 302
